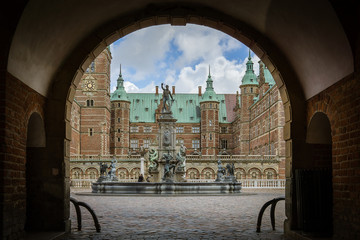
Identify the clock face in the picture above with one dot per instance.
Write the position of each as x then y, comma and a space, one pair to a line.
89, 85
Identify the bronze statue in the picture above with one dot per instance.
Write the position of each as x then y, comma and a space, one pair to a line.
166, 97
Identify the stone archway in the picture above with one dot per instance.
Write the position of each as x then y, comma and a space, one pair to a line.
98, 41
122, 173
208, 173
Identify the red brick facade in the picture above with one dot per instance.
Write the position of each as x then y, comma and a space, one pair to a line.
104, 129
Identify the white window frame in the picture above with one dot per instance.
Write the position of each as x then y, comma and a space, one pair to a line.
179, 129
146, 143
134, 143
195, 143
195, 129
147, 129
134, 129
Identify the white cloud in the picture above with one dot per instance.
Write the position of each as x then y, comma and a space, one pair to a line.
178, 56
226, 75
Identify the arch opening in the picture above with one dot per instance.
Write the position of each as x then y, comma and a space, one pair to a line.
253, 45
314, 180
37, 212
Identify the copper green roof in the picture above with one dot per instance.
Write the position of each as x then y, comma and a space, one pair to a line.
209, 94
119, 94
268, 77
185, 108
249, 77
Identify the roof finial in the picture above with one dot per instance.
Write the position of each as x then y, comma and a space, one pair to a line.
120, 71
209, 71
249, 54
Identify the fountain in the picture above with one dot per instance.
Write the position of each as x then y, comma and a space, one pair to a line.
167, 167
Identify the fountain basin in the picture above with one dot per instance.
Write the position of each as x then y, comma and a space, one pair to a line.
166, 188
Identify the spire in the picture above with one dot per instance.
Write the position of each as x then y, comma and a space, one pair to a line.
249, 64
209, 82
209, 94
120, 81
119, 94
249, 77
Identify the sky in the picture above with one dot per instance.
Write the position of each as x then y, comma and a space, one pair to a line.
179, 56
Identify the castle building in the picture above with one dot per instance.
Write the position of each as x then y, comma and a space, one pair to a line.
245, 128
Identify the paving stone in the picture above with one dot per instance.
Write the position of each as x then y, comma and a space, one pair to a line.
179, 217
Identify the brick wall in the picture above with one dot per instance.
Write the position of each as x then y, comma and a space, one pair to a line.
18, 102
341, 103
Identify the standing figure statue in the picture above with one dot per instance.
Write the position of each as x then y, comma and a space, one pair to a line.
103, 168
230, 169
220, 172
168, 167
181, 158
153, 159
166, 98
111, 174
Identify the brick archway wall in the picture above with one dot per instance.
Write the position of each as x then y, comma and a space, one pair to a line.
340, 103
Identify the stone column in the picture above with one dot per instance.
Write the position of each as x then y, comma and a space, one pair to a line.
142, 166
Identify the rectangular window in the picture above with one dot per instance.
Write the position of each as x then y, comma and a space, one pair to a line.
134, 143
134, 129
223, 129
179, 129
118, 104
223, 144
196, 129
118, 130
147, 129
90, 103
210, 123
146, 143
196, 143
179, 141
118, 139
90, 131
118, 120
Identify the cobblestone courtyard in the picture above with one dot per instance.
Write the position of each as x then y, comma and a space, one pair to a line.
182, 217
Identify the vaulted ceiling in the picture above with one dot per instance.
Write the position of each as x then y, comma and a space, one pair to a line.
307, 33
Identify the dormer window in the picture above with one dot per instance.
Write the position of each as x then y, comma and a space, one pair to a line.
210, 97
180, 109
146, 109
136, 117
119, 96
137, 100
190, 101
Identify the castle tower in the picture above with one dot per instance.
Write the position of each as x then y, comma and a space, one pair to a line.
120, 119
93, 98
249, 90
209, 106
